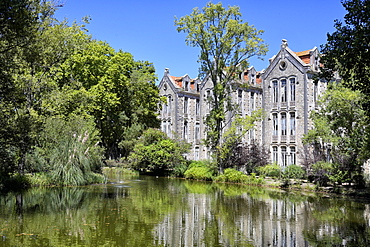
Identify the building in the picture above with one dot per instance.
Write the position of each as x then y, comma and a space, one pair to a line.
286, 90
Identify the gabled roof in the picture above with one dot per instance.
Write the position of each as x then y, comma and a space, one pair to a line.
301, 60
304, 55
176, 80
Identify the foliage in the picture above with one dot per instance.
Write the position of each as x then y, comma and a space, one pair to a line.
234, 176
52, 70
271, 170
341, 129
158, 153
14, 182
248, 157
347, 49
231, 175
293, 172
320, 172
68, 152
119, 92
200, 171
39, 179
232, 137
21, 22
225, 42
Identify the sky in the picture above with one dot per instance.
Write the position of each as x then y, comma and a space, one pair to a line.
146, 28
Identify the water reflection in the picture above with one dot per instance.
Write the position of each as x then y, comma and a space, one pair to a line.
146, 211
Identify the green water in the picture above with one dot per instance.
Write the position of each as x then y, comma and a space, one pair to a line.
149, 211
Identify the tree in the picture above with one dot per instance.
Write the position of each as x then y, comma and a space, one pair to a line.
347, 50
21, 23
341, 128
248, 157
226, 43
111, 86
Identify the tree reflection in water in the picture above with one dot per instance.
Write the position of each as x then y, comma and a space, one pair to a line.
149, 211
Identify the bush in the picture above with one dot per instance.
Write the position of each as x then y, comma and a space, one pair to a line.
155, 152
232, 175
199, 170
320, 173
293, 172
273, 170
39, 179
14, 182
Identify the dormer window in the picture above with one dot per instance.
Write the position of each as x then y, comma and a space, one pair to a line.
186, 86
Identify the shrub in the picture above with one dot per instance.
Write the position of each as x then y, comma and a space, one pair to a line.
272, 170
155, 152
232, 175
320, 172
200, 170
39, 179
294, 172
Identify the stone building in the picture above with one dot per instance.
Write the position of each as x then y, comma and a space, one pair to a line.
286, 90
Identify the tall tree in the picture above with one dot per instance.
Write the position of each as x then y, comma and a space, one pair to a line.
347, 50
21, 22
343, 124
226, 43
110, 86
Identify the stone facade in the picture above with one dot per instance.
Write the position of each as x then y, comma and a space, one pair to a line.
285, 90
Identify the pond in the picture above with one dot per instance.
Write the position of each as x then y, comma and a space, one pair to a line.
151, 211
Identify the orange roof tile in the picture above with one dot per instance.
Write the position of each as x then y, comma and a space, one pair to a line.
177, 80
303, 53
304, 56
258, 77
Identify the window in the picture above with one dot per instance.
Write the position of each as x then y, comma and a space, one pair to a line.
251, 134
283, 124
240, 100
169, 129
292, 124
283, 90
252, 102
164, 108
196, 153
292, 156
186, 100
283, 156
275, 92
169, 104
186, 86
164, 126
274, 154
208, 100
197, 107
292, 89
185, 131
275, 124
197, 131
315, 92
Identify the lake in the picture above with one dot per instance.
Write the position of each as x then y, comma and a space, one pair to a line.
149, 211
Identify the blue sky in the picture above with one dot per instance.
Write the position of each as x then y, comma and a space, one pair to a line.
146, 28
